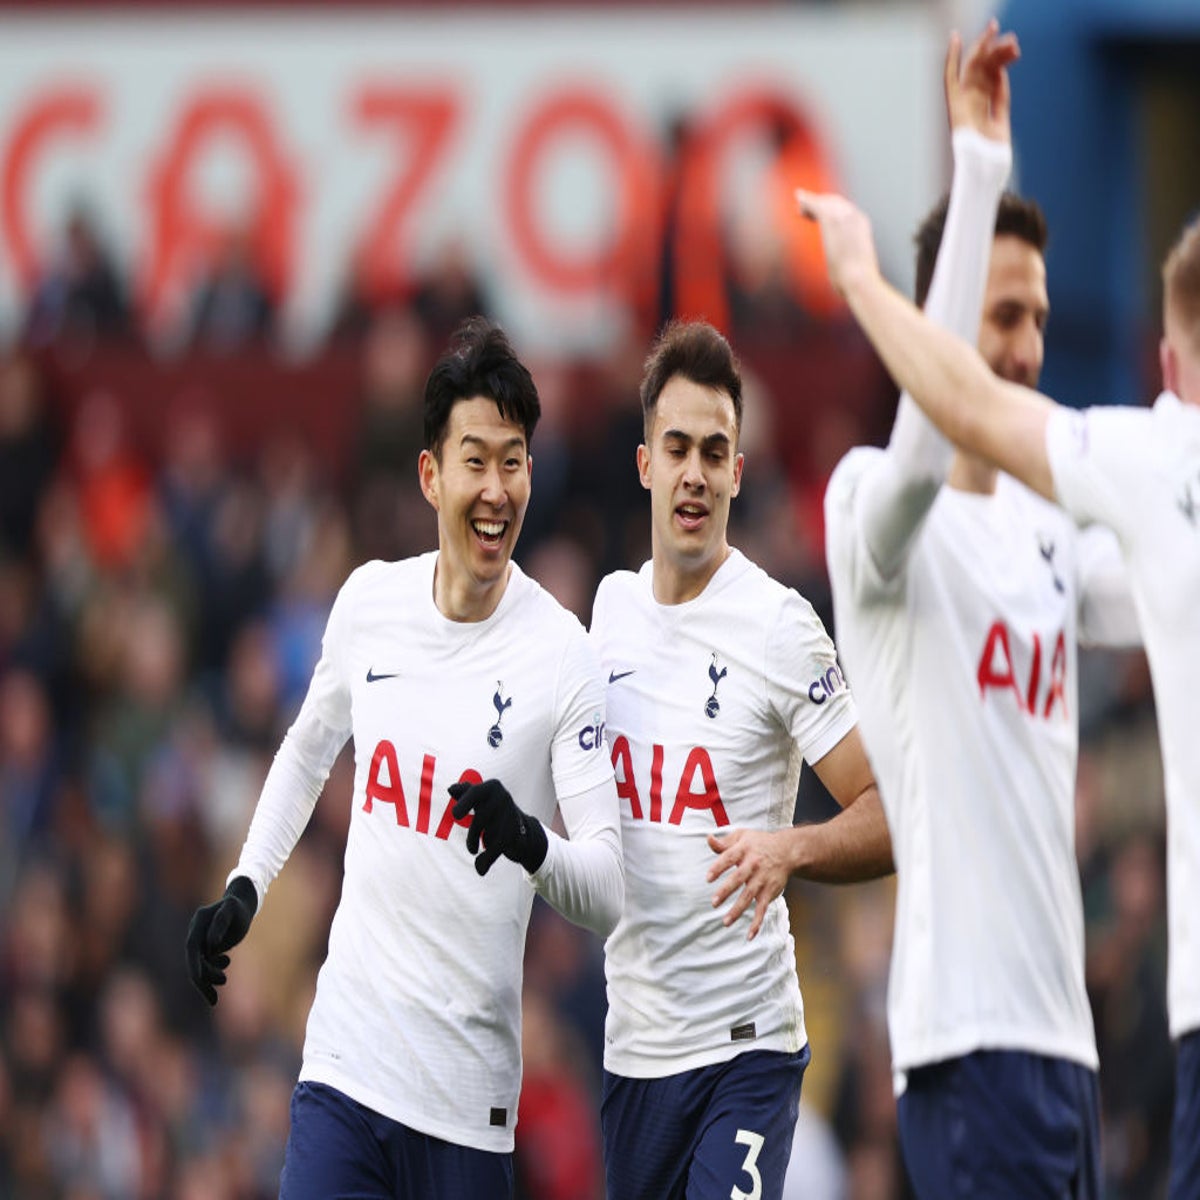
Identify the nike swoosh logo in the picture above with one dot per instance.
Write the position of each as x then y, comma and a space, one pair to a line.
373, 678
613, 676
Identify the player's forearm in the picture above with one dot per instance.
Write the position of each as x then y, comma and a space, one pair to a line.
288, 797
583, 876
898, 494
853, 846
944, 375
585, 881
983, 414
956, 291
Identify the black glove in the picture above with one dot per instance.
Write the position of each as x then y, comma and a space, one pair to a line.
504, 828
216, 928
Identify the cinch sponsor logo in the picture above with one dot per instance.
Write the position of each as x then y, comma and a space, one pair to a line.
827, 685
591, 737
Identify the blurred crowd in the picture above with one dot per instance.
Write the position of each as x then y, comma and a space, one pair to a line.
161, 609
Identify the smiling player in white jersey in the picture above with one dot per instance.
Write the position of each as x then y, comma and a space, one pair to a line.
721, 681
959, 597
1136, 470
458, 677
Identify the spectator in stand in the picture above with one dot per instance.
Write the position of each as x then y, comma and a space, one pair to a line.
390, 517
233, 308
29, 448
112, 479
80, 298
1126, 969
449, 292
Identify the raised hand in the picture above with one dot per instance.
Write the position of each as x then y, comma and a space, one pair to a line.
977, 91
846, 234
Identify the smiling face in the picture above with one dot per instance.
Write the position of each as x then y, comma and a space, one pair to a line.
692, 469
478, 481
1015, 309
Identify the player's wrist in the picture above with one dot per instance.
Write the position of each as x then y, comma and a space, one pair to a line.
242, 889
978, 155
534, 844
799, 850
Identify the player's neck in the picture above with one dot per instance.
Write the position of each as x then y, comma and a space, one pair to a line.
460, 598
969, 473
678, 582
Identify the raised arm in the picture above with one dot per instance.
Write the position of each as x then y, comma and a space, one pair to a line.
895, 496
1003, 422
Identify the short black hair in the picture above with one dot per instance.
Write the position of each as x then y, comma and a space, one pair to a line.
695, 350
1016, 217
479, 361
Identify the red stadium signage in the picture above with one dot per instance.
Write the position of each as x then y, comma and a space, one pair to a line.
560, 186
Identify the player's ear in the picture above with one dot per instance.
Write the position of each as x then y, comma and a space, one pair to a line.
427, 472
643, 465
738, 462
1169, 361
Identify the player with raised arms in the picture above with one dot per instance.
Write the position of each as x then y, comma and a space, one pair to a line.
1136, 470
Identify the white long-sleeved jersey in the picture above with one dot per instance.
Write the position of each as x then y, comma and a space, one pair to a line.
1138, 471
417, 1012
957, 616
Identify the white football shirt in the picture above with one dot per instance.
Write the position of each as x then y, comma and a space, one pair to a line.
417, 1012
964, 668
1138, 471
712, 705
957, 616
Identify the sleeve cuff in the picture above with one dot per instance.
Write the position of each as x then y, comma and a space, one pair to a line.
985, 157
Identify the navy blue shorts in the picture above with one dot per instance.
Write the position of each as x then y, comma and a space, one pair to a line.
1185, 1128
1002, 1123
338, 1147
710, 1134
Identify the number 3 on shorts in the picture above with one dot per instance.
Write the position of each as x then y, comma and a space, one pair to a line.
746, 1137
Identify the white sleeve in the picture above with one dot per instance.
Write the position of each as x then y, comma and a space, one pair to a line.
1098, 458
1107, 614
805, 685
584, 876
301, 765
893, 500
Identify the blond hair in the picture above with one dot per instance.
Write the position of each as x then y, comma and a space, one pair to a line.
1181, 283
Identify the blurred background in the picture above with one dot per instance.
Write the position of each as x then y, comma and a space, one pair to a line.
232, 240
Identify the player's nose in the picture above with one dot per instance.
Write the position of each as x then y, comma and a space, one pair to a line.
693, 476
493, 486
1027, 350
